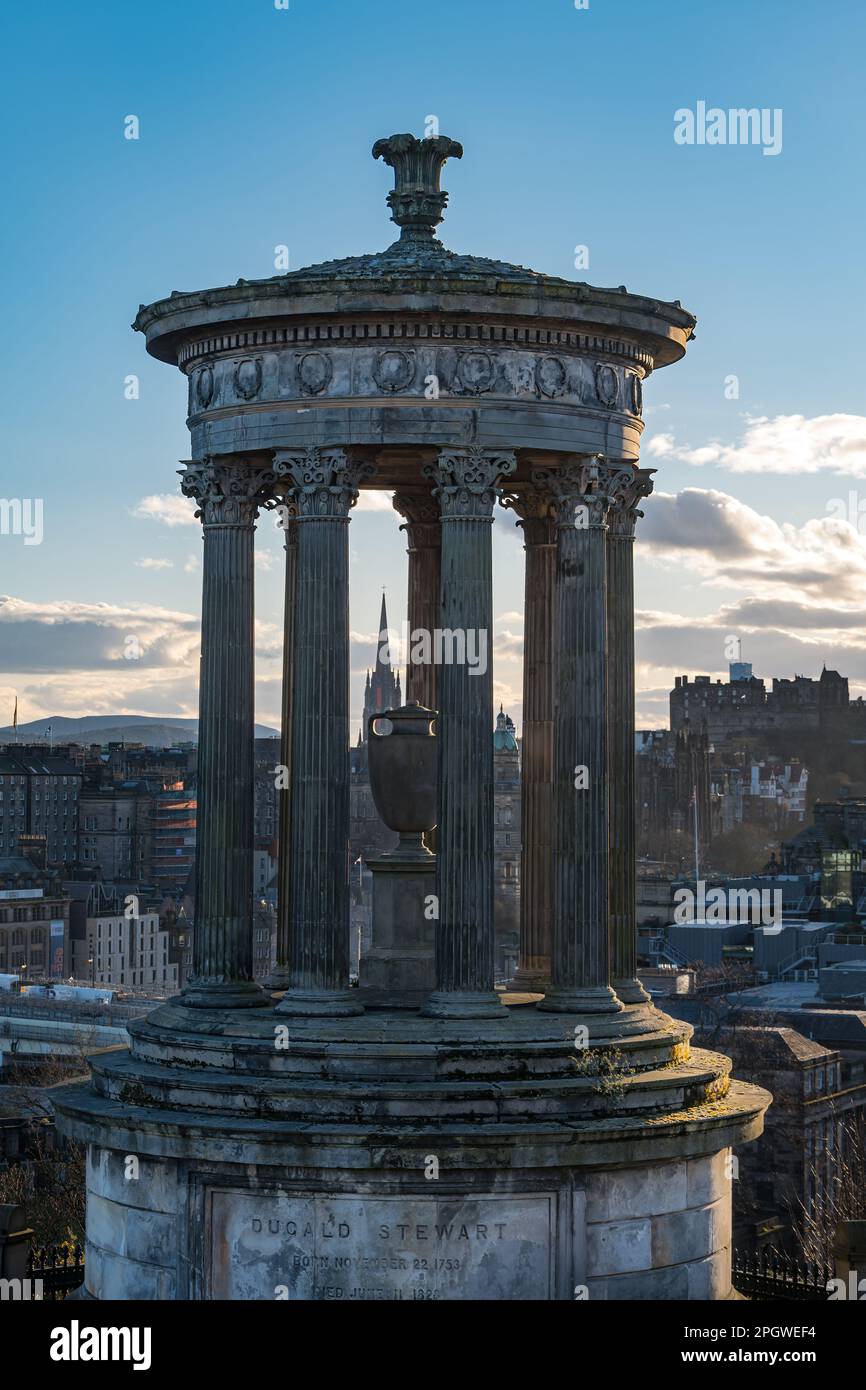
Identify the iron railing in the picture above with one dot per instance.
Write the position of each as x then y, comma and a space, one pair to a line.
60, 1268
772, 1275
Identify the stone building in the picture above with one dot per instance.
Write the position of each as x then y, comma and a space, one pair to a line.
39, 795
506, 845
34, 918
121, 949
793, 1166
671, 769
740, 707
115, 830
171, 842
267, 803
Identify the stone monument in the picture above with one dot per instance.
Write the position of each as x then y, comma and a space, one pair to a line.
295, 1145
399, 969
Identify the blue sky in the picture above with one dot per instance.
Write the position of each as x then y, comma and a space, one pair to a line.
256, 128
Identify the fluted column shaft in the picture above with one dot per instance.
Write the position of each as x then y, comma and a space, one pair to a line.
466, 482
424, 533
580, 965
536, 753
280, 976
323, 485
228, 495
621, 698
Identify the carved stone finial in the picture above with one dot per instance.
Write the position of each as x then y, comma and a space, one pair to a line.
417, 203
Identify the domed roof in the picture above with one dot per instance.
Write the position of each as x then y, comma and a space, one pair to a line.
420, 273
505, 736
417, 206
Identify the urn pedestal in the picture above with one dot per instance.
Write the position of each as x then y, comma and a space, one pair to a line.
398, 970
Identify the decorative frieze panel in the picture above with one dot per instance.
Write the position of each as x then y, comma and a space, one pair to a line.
428, 371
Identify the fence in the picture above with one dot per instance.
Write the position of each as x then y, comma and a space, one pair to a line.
774, 1276
60, 1268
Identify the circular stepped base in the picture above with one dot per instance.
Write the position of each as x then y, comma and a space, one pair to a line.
305, 1152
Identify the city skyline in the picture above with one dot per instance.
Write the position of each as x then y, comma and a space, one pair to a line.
102, 222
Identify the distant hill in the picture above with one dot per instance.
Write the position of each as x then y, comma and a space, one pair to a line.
115, 728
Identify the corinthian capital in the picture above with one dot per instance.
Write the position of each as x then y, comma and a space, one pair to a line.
625, 511
582, 491
322, 483
465, 480
228, 494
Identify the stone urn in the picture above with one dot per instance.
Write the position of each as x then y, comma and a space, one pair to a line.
402, 765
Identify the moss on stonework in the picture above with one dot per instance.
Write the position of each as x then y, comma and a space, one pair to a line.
608, 1067
133, 1093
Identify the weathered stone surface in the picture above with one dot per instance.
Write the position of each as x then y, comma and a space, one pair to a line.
155, 1189
652, 1285
402, 952
228, 495
621, 698
149, 1237
617, 1247
710, 1279
323, 486
345, 1248
622, 1194
110, 1277
709, 1179
465, 484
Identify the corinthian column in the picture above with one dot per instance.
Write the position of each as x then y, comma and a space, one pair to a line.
424, 532
323, 485
580, 965
466, 486
280, 976
621, 694
228, 495
533, 506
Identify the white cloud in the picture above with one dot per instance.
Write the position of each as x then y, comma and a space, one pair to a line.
789, 444
374, 500
170, 508
724, 542
148, 563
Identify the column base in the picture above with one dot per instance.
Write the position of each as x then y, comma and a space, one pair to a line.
277, 981
631, 991
464, 1004
599, 999
230, 994
314, 1003
529, 980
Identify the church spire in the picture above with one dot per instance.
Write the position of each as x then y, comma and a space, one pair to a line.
383, 643
382, 691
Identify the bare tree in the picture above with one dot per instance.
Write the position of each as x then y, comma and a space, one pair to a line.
840, 1198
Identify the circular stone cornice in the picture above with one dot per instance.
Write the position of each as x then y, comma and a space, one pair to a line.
310, 336
543, 305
